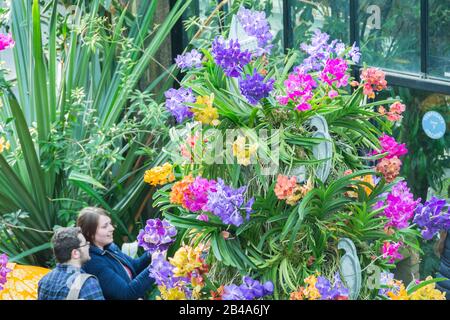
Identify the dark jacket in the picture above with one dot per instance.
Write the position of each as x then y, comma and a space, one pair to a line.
107, 266
444, 269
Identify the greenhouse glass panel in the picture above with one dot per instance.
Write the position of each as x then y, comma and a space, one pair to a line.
389, 33
206, 7
331, 16
195, 16
439, 39
200, 8
274, 13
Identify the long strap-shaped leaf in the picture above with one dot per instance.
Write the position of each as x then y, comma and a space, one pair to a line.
20, 10
141, 27
115, 109
41, 104
138, 33
69, 70
15, 190
52, 62
108, 66
6, 204
19, 258
34, 170
85, 53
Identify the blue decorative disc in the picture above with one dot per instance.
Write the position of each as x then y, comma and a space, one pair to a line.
434, 125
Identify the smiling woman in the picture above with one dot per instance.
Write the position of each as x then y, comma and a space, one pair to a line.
120, 276
97, 226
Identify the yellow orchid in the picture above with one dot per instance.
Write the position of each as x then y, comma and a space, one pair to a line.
196, 293
243, 152
299, 192
159, 175
186, 260
367, 178
171, 294
295, 196
311, 292
205, 100
401, 295
205, 112
304, 189
428, 292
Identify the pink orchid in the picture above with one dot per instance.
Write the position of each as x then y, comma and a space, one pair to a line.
390, 250
6, 41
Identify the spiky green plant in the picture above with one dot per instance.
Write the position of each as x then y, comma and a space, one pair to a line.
80, 126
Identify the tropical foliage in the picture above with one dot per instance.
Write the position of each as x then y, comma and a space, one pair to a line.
80, 127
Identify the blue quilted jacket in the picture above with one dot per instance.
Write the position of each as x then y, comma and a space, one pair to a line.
108, 266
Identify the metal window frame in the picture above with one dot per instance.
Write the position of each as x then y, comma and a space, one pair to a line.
287, 26
423, 81
177, 34
424, 47
354, 30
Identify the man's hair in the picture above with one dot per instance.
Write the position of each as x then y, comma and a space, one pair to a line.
64, 241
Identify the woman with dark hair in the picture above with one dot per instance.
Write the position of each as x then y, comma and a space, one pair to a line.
121, 277
444, 268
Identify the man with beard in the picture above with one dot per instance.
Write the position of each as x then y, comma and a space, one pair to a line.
68, 281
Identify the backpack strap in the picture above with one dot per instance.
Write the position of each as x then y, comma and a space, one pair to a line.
76, 286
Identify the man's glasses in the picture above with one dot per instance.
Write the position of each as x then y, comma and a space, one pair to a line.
84, 245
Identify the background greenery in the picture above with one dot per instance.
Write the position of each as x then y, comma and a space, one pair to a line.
81, 126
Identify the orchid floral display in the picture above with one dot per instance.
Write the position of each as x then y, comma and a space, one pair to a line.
247, 185
269, 175
184, 275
